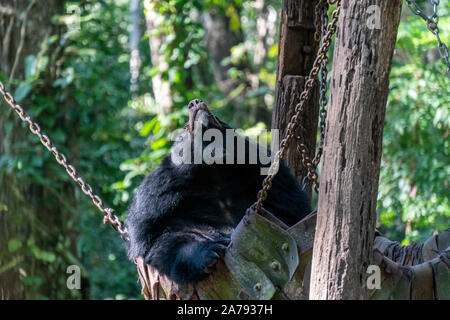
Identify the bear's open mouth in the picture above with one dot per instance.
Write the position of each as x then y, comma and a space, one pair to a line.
199, 114
192, 118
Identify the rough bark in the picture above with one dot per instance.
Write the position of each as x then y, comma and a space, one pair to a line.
16, 19
135, 37
296, 53
161, 87
352, 152
28, 208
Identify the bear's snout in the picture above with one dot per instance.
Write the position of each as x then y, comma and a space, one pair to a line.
194, 107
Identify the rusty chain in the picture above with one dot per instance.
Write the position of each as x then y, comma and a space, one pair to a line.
432, 24
109, 216
323, 101
321, 23
304, 97
318, 19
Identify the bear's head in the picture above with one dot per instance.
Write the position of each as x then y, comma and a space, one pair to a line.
207, 140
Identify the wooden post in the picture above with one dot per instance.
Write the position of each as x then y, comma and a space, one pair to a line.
352, 153
296, 53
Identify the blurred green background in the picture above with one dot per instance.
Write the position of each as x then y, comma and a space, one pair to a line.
112, 81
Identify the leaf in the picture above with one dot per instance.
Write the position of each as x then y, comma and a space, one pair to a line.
43, 255
235, 22
148, 126
30, 67
159, 143
174, 75
273, 51
22, 90
87, 52
14, 244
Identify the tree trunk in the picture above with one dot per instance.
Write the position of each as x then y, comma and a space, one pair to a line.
352, 152
27, 209
219, 40
161, 87
296, 54
135, 37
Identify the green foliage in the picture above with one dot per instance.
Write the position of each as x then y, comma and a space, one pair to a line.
97, 79
414, 185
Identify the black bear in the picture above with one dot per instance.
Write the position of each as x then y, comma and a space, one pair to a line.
183, 214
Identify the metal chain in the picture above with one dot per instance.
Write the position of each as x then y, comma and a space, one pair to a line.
318, 19
311, 165
432, 24
304, 97
323, 101
312, 174
109, 216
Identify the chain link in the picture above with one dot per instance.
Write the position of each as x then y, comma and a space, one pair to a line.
320, 60
323, 101
432, 24
321, 23
109, 216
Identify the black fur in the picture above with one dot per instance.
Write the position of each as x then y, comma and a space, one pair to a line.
182, 216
